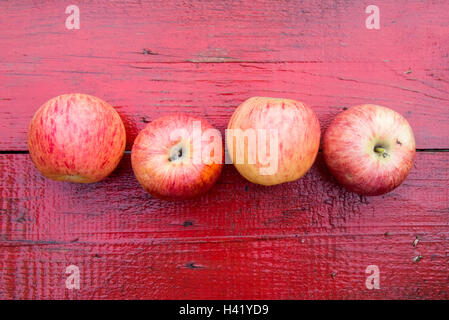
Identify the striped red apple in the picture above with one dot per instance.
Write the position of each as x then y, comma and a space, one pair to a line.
177, 157
273, 140
76, 138
369, 149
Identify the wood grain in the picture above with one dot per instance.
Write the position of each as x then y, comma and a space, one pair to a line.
309, 239
153, 58
306, 239
143, 92
226, 31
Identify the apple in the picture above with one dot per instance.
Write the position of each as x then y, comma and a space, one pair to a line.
369, 149
177, 156
273, 140
77, 138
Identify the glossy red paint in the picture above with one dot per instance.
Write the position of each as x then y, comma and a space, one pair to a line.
305, 239
207, 58
240, 240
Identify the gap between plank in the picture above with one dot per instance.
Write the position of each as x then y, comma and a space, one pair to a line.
129, 151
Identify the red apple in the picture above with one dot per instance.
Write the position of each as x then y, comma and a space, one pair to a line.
177, 157
369, 149
77, 138
273, 140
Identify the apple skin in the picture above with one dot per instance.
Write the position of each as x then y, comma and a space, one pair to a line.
350, 145
77, 138
298, 137
173, 179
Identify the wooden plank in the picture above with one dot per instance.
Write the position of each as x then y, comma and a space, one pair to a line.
306, 239
221, 31
146, 58
142, 92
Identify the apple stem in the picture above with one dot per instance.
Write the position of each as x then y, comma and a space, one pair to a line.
381, 151
176, 153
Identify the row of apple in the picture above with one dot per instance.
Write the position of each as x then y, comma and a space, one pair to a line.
80, 138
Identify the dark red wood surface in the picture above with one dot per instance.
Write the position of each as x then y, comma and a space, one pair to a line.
308, 239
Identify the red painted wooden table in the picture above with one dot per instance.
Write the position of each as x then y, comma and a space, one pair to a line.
306, 239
